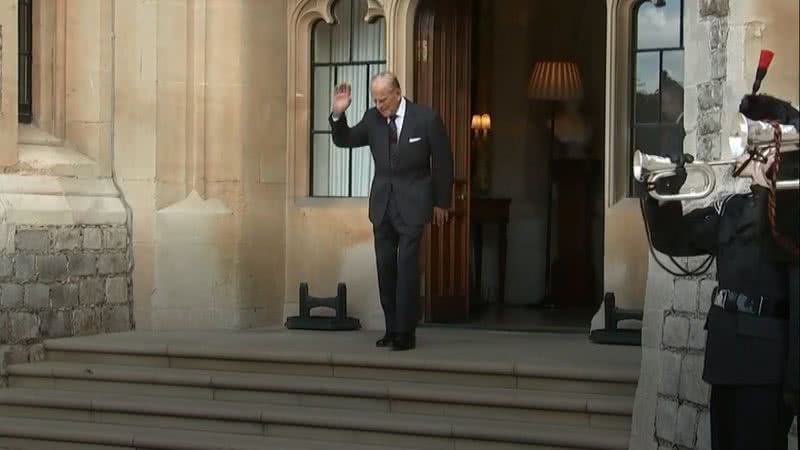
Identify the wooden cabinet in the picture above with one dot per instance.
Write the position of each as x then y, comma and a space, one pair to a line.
573, 276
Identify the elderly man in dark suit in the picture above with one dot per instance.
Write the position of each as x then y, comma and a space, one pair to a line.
412, 186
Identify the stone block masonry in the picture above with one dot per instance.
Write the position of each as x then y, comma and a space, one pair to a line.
60, 281
681, 407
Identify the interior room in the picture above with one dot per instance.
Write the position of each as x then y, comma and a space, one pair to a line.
531, 63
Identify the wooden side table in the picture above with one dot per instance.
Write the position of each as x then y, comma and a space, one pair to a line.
492, 211
572, 271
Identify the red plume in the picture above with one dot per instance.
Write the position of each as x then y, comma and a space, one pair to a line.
763, 63
765, 59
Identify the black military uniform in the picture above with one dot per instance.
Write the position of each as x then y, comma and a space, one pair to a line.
747, 326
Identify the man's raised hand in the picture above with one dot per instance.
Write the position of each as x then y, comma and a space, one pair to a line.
341, 99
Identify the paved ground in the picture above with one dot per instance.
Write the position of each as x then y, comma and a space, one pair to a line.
458, 345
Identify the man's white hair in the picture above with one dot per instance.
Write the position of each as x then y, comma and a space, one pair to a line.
388, 77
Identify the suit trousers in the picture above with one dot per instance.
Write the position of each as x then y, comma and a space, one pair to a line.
749, 418
397, 257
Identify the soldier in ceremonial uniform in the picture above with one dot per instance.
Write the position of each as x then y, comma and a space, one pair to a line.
747, 342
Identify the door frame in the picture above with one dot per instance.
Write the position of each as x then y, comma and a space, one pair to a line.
612, 8
445, 294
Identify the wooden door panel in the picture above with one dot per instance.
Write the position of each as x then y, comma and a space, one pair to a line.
443, 36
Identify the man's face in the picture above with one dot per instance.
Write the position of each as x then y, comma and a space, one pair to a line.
387, 99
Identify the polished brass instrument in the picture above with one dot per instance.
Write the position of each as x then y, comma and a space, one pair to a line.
747, 136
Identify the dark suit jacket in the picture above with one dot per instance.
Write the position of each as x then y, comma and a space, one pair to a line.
793, 364
423, 174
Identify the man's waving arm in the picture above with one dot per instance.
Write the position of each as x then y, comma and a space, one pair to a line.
343, 135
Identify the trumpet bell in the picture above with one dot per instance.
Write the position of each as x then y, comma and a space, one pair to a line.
650, 168
644, 165
747, 134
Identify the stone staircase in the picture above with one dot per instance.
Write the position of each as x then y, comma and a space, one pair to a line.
94, 394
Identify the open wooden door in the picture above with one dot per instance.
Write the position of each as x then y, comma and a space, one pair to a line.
442, 80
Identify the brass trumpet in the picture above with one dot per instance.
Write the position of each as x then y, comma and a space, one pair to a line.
748, 136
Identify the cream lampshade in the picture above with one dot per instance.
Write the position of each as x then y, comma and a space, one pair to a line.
555, 80
476, 122
486, 122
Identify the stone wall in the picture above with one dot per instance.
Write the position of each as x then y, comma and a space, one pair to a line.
682, 418
671, 408
59, 281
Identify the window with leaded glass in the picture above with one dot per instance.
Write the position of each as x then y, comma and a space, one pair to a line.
350, 50
658, 75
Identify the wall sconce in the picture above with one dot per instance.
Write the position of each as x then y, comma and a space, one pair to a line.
486, 124
476, 124
481, 124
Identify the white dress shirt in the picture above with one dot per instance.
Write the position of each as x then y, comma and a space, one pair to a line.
401, 112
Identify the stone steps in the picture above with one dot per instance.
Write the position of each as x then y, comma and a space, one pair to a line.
37, 434
544, 407
328, 424
383, 367
129, 390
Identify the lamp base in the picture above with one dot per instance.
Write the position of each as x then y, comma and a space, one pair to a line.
548, 301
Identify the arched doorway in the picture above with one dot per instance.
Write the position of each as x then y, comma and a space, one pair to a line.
487, 267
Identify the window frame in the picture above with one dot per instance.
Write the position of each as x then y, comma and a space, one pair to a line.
368, 66
634, 52
25, 54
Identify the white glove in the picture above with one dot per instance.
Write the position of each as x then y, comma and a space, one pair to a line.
760, 171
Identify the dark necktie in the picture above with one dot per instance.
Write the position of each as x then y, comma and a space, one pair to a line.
392, 138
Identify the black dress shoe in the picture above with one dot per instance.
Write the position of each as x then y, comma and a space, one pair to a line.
404, 342
385, 341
